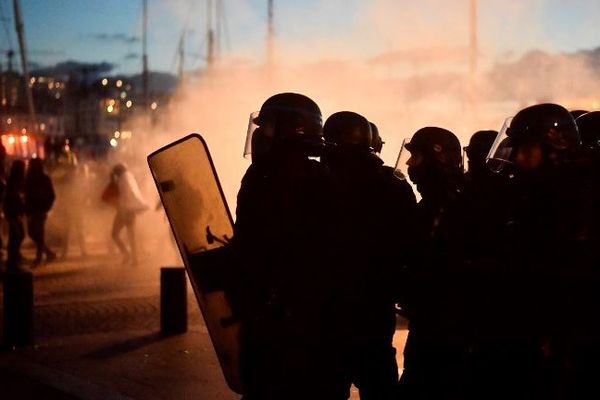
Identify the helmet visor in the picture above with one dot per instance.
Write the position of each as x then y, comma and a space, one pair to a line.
501, 154
299, 127
401, 168
258, 138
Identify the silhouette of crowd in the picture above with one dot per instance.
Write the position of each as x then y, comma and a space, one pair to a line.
75, 194
27, 195
496, 268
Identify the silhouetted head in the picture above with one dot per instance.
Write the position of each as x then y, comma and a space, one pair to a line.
348, 131
435, 159
287, 122
36, 167
17, 172
577, 113
539, 135
436, 145
478, 149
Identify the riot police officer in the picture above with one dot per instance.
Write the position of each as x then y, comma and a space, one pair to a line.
477, 151
436, 349
585, 343
371, 252
542, 251
482, 189
282, 235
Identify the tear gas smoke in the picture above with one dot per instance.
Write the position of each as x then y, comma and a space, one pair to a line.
402, 65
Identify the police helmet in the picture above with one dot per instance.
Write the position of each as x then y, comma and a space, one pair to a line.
437, 144
287, 119
480, 144
589, 130
347, 129
578, 113
549, 125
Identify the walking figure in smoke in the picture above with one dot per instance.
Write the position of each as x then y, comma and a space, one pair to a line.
39, 198
124, 193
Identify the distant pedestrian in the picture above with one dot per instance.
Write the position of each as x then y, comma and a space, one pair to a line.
14, 211
123, 192
39, 198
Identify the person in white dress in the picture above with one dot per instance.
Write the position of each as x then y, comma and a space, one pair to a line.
129, 203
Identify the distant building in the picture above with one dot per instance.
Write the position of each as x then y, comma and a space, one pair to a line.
74, 112
17, 131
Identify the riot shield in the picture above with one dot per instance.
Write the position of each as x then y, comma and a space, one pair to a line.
193, 200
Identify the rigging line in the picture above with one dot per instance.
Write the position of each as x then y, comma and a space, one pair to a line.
187, 17
196, 57
5, 24
136, 29
219, 26
182, 36
226, 27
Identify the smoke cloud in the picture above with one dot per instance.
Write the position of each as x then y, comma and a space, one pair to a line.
403, 65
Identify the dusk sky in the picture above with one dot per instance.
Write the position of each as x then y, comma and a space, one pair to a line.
110, 30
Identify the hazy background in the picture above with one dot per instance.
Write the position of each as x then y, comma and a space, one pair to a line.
403, 64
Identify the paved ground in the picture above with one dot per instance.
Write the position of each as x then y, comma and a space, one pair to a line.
97, 337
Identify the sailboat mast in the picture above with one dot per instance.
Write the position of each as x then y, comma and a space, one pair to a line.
210, 32
23, 51
145, 53
270, 33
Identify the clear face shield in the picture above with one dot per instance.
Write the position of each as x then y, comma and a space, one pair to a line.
401, 167
501, 154
304, 127
258, 138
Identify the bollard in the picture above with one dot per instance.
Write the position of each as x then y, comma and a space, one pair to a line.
173, 300
18, 309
